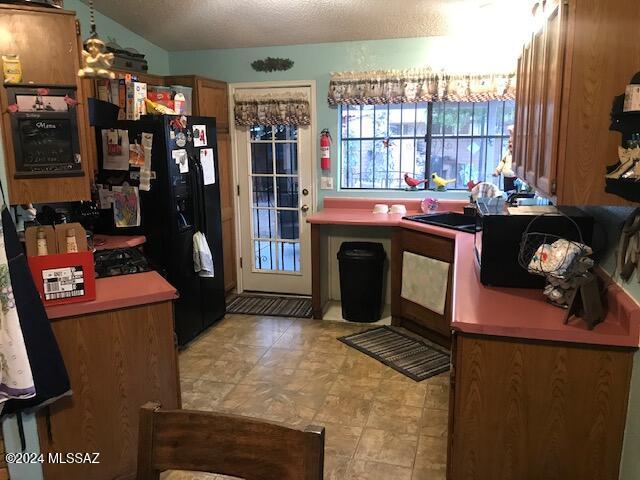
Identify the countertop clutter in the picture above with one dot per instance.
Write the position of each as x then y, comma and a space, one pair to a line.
118, 292
503, 312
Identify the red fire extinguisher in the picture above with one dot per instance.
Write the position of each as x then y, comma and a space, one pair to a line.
325, 148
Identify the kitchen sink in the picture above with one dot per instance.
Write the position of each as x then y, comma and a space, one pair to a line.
452, 220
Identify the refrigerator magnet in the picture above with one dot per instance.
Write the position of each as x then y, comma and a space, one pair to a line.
181, 139
199, 135
136, 155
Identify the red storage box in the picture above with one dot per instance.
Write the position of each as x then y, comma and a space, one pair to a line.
64, 277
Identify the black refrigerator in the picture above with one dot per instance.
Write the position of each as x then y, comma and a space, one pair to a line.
181, 201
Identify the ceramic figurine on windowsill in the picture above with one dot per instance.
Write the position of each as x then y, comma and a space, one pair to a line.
412, 182
441, 183
505, 166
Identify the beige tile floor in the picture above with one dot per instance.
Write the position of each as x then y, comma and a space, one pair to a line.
379, 424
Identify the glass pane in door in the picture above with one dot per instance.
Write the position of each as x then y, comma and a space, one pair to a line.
287, 192
274, 181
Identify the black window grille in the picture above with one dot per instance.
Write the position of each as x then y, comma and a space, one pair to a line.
462, 141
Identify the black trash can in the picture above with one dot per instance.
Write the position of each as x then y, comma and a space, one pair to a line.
361, 279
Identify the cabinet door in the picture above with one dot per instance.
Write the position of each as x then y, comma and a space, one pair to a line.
536, 410
555, 39
226, 204
521, 128
422, 267
116, 361
212, 101
518, 135
24, 30
535, 107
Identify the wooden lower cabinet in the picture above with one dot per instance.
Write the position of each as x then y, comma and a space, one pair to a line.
117, 361
536, 410
409, 314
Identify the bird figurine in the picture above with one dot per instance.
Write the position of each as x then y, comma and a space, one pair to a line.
471, 184
412, 182
441, 183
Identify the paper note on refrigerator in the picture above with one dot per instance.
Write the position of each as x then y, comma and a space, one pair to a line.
145, 169
208, 166
115, 149
199, 135
182, 160
126, 207
105, 197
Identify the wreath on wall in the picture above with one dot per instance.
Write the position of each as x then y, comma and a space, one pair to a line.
271, 64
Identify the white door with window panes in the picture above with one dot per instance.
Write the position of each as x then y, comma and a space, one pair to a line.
275, 196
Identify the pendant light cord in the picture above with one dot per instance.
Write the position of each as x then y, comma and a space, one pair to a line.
92, 19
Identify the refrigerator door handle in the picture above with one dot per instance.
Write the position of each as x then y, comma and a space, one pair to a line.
198, 195
195, 194
203, 216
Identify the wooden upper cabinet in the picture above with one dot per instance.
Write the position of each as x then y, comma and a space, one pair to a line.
535, 106
46, 41
210, 98
213, 101
521, 127
554, 48
568, 76
49, 47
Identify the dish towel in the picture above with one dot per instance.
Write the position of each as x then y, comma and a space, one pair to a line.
47, 366
425, 281
202, 259
16, 379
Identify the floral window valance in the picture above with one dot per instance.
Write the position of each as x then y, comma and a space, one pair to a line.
287, 108
409, 86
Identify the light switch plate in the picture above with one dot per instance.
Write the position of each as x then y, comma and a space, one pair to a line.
326, 183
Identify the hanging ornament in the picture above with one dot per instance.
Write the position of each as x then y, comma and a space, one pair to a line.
95, 62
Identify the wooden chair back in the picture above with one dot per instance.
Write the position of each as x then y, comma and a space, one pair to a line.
226, 444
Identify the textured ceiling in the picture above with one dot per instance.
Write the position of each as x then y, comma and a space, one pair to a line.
203, 24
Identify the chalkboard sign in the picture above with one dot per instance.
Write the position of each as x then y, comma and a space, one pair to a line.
44, 131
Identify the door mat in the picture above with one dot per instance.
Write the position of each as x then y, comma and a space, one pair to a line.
269, 305
403, 353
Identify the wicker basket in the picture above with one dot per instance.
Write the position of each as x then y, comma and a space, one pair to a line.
532, 240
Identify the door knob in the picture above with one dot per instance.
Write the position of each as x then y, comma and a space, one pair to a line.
304, 208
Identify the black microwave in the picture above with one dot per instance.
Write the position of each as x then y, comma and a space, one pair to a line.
499, 234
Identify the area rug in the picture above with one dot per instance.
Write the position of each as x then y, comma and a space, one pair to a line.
403, 353
269, 305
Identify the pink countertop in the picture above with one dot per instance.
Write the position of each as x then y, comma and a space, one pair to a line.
119, 292
104, 242
505, 312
